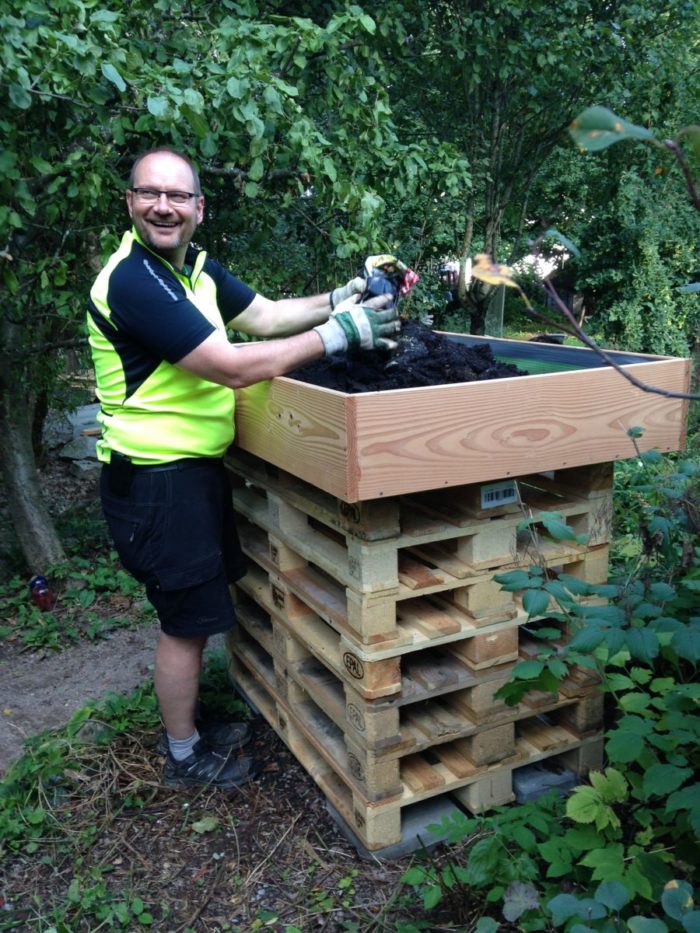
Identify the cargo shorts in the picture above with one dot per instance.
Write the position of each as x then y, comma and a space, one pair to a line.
174, 531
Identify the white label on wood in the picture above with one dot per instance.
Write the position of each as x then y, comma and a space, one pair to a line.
495, 494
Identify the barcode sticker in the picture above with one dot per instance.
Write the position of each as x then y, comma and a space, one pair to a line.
495, 494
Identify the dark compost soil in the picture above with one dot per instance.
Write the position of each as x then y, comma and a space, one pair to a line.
423, 358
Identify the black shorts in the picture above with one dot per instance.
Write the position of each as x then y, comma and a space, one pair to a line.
175, 532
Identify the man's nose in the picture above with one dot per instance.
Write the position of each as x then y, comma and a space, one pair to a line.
163, 203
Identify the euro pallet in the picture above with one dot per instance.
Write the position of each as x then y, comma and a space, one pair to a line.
442, 609
371, 670
442, 770
421, 727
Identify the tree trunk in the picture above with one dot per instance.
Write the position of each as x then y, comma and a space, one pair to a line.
33, 525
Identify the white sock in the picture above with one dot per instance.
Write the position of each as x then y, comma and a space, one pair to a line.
182, 748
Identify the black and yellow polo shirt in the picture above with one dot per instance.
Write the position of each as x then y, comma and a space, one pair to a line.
144, 316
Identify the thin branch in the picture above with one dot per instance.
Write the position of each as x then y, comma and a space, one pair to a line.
575, 330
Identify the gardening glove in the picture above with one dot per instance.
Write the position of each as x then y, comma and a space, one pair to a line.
359, 327
343, 292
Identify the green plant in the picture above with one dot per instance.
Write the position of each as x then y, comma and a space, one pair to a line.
623, 846
92, 597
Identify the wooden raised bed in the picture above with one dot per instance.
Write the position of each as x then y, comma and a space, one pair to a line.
572, 411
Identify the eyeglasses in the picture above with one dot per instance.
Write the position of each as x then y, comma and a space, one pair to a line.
151, 195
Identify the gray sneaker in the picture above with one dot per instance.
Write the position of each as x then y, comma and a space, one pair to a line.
207, 768
223, 737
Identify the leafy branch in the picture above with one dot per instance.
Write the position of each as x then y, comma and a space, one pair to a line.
595, 129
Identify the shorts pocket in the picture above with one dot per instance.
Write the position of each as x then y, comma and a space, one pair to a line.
194, 573
132, 533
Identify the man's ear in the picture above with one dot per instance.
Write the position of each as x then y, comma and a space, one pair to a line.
129, 196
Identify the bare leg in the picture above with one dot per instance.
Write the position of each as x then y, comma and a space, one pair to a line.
177, 671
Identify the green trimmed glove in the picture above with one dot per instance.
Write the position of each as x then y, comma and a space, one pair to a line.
354, 327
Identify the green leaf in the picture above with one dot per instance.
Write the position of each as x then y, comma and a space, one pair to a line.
686, 643
587, 639
368, 23
662, 591
686, 799
513, 580
535, 602
329, 168
677, 899
111, 74
527, 670
635, 702
19, 97
432, 896
663, 779
257, 170
104, 16
691, 921
643, 644
563, 907
234, 87
623, 746
194, 100
486, 925
414, 876
607, 863
158, 106
597, 128
644, 925
613, 894
557, 527
584, 805
206, 825
611, 785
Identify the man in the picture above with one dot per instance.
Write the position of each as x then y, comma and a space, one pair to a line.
165, 373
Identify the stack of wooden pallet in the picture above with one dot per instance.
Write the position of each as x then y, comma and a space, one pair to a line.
372, 636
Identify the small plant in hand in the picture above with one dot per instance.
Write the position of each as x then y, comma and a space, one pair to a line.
90, 599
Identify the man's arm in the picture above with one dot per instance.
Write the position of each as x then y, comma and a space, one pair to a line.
266, 318
242, 364
351, 326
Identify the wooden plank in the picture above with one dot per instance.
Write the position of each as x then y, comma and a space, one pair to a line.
379, 444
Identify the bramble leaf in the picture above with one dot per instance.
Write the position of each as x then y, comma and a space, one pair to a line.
597, 128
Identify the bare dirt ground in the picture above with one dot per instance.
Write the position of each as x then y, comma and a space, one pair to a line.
41, 690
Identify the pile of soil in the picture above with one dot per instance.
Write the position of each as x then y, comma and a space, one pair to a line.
423, 358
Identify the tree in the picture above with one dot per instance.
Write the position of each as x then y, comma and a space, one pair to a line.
272, 106
501, 80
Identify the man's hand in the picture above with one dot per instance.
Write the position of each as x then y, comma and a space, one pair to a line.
354, 287
359, 327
